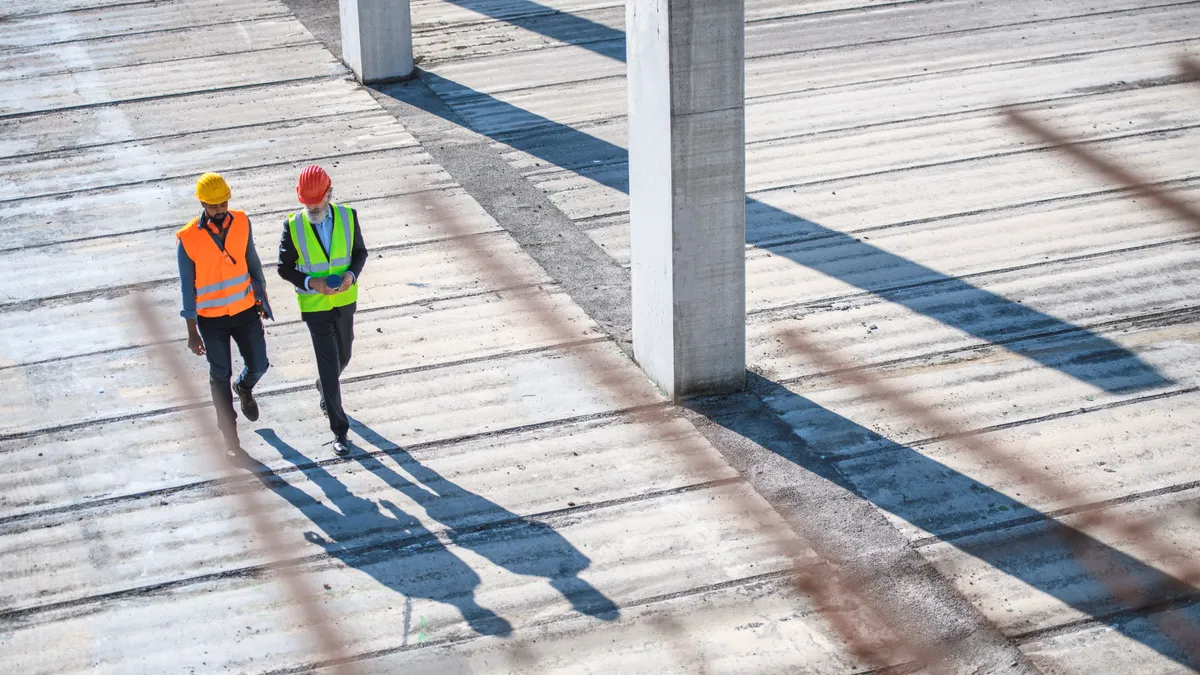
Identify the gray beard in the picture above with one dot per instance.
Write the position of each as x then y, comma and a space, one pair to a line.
317, 216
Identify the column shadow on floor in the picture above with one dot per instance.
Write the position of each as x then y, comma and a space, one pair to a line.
562, 27
979, 521
950, 300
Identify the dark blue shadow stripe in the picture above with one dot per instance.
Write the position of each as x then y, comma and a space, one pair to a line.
556, 25
1044, 554
985, 315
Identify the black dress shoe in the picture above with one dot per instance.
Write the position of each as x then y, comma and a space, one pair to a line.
341, 446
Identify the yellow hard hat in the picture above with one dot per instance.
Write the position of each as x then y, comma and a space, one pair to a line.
212, 189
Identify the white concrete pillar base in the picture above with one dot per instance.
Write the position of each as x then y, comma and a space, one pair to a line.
687, 174
377, 39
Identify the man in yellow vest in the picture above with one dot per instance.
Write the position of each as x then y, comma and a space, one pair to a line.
224, 299
321, 254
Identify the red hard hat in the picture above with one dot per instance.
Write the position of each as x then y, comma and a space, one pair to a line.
313, 185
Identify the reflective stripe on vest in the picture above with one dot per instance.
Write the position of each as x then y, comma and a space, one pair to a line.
313, 261
222, 282
222, 285
229, 299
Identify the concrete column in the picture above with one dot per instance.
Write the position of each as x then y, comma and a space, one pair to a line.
687, 173
377, 39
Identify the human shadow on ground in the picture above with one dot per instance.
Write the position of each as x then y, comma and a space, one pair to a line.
520, 545
402, 554
379, 539
950, 300
957, 510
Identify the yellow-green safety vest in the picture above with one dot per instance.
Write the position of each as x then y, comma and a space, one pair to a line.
314, 262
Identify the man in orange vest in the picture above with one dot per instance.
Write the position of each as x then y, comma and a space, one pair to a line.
224, 298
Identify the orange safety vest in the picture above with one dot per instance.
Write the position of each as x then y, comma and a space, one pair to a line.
222, 277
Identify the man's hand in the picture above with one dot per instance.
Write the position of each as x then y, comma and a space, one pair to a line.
318, 284
195, 342
196, 345
348, 280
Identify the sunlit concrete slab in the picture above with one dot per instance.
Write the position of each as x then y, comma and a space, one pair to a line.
1138, 647
776, 55
38, 31
944, 188
20, 8
1098, 221
494, 488
206, 538
662, 633
895, 217
484, 39
136, 50
389, 341
1001, 388
38, 492
797, 28
1105, 296
52, 330
839, 102
959, 260
1171, 515
1106, 454
433, 14
168, 203
980, 134
121, 164
84, 128
514, 377
1040, 84
54, 92
456, 588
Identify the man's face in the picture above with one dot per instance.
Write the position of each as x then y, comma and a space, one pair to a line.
317, 212
216, 212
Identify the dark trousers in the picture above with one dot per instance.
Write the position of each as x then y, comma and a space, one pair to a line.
246, 329
332, 334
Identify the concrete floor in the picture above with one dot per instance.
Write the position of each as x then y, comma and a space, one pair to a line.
893, 216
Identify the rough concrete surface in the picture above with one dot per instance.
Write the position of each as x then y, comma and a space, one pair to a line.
501, 514
894, 216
